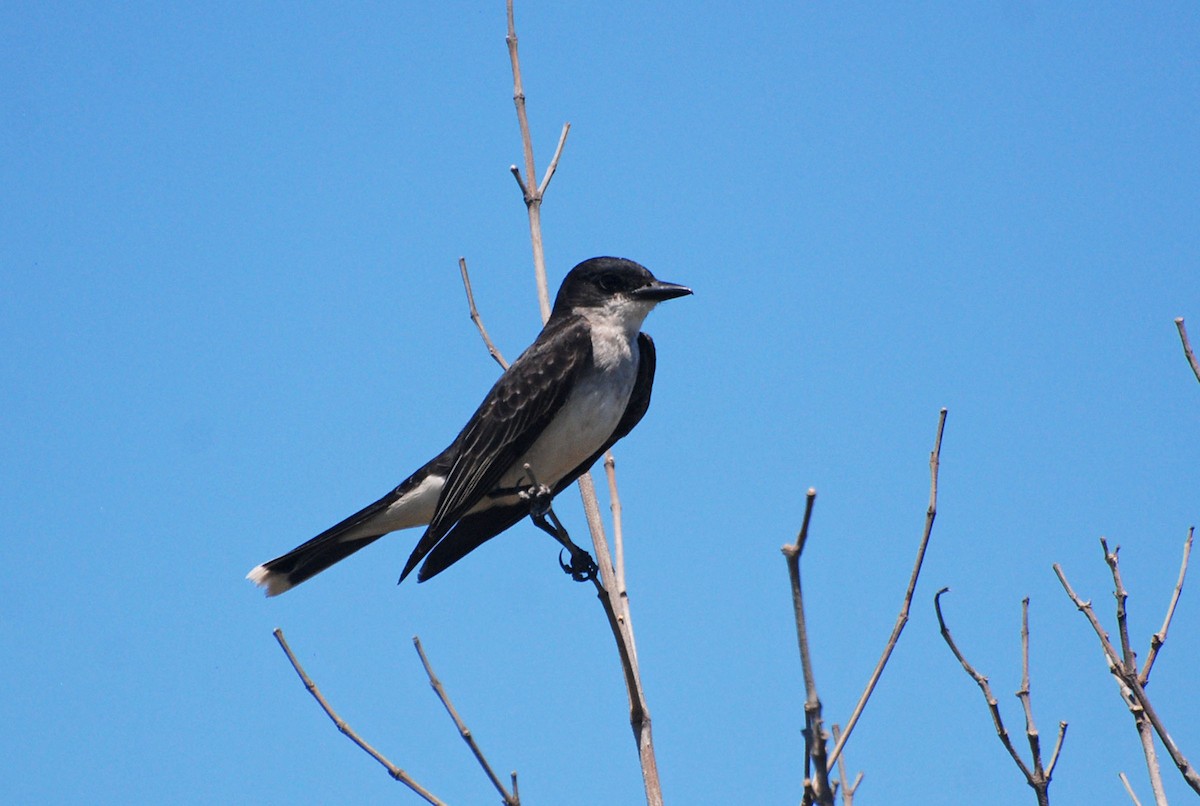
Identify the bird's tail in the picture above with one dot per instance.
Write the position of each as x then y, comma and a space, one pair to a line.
289, 570
333, 545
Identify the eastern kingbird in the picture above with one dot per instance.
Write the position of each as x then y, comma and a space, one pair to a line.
582, 385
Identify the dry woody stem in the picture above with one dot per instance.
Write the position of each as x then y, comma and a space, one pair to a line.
818, 765
1038, 778
611, 586
510, 799
816, 785
397, 773
906, 605
1122, 664
1187, 347
493, 351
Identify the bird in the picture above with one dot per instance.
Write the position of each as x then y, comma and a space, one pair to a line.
583, 384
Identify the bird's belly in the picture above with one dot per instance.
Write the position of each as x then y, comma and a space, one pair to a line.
586, 421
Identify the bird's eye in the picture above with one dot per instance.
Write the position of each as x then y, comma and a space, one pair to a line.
610, 283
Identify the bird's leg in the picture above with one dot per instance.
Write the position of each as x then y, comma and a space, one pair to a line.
582, 567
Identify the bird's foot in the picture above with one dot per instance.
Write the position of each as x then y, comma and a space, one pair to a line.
539, 497
537, 494
582, 567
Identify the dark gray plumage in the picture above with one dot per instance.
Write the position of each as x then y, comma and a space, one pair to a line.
583, 384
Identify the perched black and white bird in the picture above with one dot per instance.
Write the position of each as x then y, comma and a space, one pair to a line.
582, 385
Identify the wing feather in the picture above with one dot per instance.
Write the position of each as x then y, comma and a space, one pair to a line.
510, 419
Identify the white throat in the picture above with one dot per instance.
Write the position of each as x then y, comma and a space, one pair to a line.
614, 329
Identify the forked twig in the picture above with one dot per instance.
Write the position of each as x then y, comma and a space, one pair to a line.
510, 799
845, 788
622, 630
902, 618
1123, 667
1187, 347
397, 773
816, 787
1039, 777
1160, 637
531, 193
611, 588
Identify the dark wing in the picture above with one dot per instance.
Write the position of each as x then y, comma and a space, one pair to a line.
510, 419
471, 532
475, 529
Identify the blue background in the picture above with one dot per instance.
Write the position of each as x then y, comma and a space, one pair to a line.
231, 315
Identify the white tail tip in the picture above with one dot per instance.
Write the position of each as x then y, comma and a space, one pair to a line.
274, 583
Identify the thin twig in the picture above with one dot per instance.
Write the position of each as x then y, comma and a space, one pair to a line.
562, 141
614, 499
1129, 789
1058, 743
476, 318
611, 593
397, 773
1128, 659
1128, 678
845, 788
1160, 637
519, 94
619, 620
992, 703
817, 789
1187, 347
1116, 667
1128, 666
1039, 777
1031, 731
463, 730
532, 193
902, 618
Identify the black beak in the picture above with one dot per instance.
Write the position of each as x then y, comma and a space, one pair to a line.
659, 291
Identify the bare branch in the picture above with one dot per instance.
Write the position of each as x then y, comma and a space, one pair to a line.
902, 618
1031, 732
992, 703
619, 621
1110, 652
817, 788
1132, 691
1058, 743
611, 590
1129, 789
476, 318
519, 95
845, 788
516, 172
1128, 659
1160, 637
397, 773
1116, 667
1187, 347
614, 504
463, 730
531, 193
562, 141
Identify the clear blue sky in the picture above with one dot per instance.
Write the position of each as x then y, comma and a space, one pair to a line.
232, 315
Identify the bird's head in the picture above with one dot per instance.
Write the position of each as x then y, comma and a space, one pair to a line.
613, 287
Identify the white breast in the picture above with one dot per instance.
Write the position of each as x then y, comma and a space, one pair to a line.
589, 416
